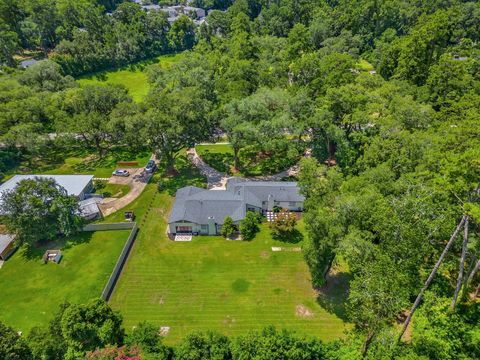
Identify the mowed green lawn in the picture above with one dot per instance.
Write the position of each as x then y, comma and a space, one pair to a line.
32, 291
132, 77
211, 283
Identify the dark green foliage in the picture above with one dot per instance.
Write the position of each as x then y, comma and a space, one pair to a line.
38, 210
46, 344
228, 227
199, 346
146, 337
90, 326
273, 344
440, 334
12, 345
46, 76
249, 226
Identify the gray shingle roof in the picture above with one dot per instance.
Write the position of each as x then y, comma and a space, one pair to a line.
198, 205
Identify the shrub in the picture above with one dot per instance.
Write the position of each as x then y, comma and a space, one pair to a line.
284, 224
228, 227
249, 225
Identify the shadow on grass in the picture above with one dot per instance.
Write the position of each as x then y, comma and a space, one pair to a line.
219, 161
240, 285
186, 176
252, 161
293, 237
36, 251
333, 296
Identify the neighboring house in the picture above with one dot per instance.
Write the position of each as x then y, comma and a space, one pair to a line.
174, 12
76, 185
27, 63
201, 211
7, 246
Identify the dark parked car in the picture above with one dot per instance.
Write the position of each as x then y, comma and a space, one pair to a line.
151, 166
121, 173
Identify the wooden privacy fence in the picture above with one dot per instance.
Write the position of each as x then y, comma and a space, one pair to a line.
110, 226
112, 280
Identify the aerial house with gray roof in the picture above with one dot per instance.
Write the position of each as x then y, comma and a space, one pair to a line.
200, 211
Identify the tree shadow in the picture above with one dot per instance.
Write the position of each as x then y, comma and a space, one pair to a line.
36, 251
293, 237
219, 161
186, 176
333, 295
240, 285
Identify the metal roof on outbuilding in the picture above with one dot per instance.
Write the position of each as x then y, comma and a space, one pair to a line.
73, 184
5, 241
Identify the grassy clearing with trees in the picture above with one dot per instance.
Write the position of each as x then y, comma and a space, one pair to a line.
251, 161
32, 291
133, 77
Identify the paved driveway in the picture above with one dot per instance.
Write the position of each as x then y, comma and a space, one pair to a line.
137, 181
215, 179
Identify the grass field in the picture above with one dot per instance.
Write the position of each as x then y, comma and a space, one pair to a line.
220, 157
132, 77
211, 283
111, 190
32, 291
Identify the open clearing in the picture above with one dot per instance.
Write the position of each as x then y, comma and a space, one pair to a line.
252, 162
211, 283
132, 77
32, 291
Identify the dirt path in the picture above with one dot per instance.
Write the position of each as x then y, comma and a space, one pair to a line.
137, 181
217, 180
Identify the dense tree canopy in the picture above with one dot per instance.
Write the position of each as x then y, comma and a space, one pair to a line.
383, 94
38, 210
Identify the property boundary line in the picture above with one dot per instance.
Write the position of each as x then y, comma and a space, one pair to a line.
122, 258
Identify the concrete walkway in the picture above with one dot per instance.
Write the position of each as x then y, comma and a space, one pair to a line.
216, 180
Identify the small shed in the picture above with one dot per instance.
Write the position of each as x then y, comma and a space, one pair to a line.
89, 209
7, 246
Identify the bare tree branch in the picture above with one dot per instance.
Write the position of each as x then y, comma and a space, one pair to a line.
432, 274
462, 265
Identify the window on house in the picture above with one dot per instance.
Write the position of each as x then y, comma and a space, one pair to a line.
292, 204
